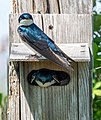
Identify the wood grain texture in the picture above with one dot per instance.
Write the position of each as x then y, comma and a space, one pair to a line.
52, 103
67, 28
21, 52
53, 6
84, 91
13, 112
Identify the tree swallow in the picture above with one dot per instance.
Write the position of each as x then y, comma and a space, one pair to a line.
31, 34
45, 77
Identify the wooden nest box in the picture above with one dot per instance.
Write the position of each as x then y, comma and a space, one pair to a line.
73, 34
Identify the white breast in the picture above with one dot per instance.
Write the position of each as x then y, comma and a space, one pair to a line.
46, 84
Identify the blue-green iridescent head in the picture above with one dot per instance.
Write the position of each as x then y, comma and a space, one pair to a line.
25, 19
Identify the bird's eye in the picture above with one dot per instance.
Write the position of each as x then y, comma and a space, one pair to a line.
22, 18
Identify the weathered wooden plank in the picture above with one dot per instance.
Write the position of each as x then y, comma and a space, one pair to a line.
20, 6
78, 52
75, 6
24, 88
43, 6
52, 103
13, 112
53, 6
84, 91
67, 28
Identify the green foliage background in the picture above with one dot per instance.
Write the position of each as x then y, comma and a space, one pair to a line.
3, 102
97, 62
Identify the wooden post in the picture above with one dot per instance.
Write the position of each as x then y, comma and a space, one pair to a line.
70, 102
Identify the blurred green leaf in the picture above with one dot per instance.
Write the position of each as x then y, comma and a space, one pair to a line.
97, 40
99, 50
97, 85
97, 92
93, 95
94, 3
95, 47
95, 50
1, 96
5, 100
98, 59
97, 22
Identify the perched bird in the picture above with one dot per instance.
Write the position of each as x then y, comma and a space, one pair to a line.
31, 34
45, 77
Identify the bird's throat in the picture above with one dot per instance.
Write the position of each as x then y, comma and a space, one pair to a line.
26, 22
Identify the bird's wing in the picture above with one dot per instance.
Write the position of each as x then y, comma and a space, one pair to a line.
62, 54
42, 47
